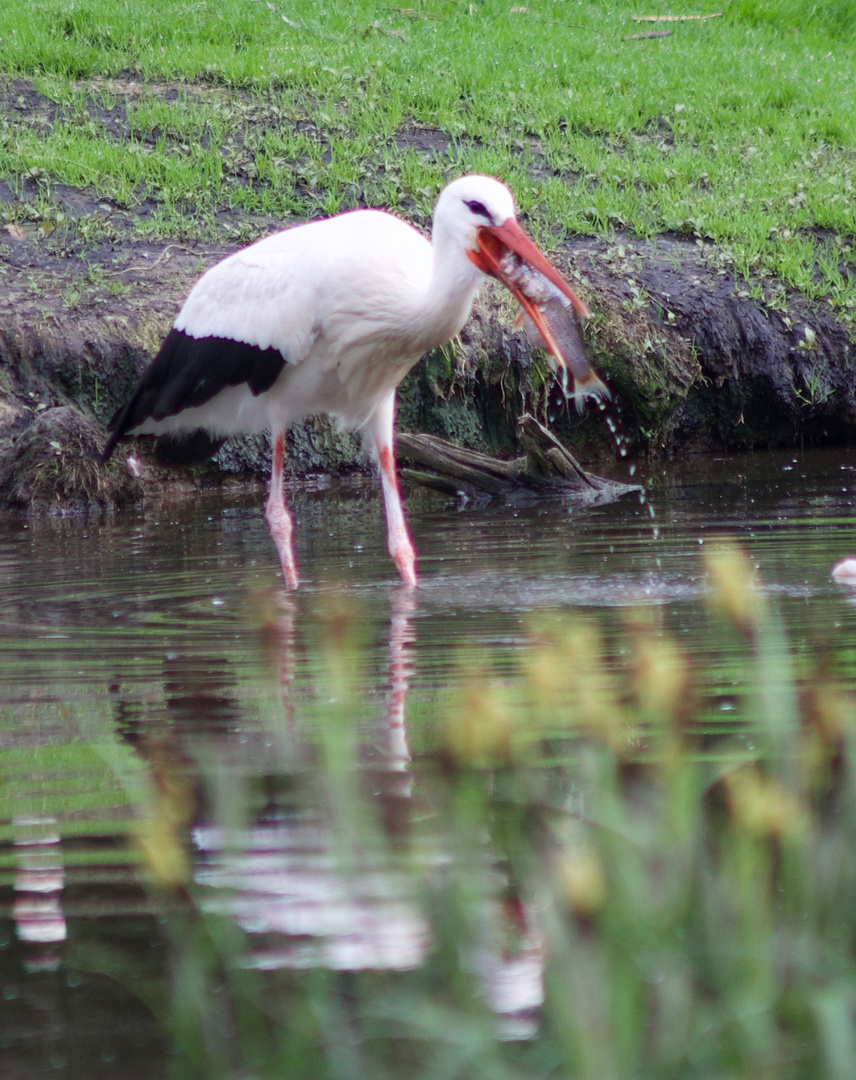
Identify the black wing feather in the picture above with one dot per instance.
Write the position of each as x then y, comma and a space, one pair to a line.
187, 372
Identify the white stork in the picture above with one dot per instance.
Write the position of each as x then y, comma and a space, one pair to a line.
328, 317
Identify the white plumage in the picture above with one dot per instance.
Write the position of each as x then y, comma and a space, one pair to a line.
327, 317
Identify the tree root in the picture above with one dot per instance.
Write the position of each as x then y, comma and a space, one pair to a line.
546, 467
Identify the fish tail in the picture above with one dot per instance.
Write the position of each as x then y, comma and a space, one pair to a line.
589, 386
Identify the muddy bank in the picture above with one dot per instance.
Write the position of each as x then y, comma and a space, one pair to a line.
694, 363
696, 360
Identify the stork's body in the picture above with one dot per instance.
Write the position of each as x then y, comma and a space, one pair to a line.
326, 317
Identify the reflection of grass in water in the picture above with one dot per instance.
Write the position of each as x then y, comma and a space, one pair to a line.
694, 902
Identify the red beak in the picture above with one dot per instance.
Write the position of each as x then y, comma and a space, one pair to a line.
560, 334
493, 243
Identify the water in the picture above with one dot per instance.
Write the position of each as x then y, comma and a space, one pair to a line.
152, 661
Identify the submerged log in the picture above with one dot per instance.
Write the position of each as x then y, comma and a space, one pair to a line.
546, 467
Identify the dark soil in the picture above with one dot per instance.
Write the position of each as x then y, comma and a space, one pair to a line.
695, 363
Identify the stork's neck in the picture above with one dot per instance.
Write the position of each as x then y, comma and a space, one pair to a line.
452, 288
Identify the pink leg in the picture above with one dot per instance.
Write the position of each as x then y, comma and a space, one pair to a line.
397, 537
379, 430
279, 519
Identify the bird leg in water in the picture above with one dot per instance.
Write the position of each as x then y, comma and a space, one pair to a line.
378, 432
397, 537
279, 519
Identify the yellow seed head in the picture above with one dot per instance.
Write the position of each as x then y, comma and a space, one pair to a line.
734, 590
763, 806
480, 727
583, 880
163, 851
660, 678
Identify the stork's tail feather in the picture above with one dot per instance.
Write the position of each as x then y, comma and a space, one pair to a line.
117, 427
187, 373
109, 447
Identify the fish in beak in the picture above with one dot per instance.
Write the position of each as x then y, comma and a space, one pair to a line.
552, 313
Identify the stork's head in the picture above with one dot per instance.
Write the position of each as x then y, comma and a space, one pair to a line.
471, 203
478, 211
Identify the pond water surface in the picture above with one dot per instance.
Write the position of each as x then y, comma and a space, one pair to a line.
143, 652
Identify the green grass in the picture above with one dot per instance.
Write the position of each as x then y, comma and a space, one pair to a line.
739, 129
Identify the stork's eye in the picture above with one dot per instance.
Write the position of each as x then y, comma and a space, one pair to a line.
478, 208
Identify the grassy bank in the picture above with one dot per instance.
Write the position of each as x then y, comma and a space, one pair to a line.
737, 129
